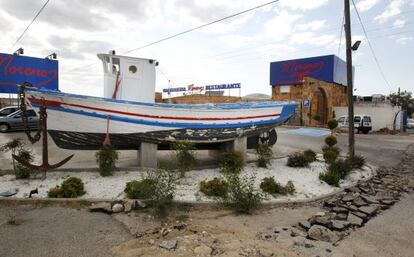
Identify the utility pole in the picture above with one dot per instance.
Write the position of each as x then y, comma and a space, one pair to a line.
351, 136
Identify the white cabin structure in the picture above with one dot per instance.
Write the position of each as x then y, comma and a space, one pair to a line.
136, 77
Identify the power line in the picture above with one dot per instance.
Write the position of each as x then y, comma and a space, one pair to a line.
370, 47
202, 26
28, 26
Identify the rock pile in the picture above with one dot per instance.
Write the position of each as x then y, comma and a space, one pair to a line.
116, 206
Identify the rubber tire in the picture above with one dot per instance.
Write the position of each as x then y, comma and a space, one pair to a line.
4, 127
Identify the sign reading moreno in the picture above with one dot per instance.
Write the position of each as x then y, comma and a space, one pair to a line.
16, 69
329, 68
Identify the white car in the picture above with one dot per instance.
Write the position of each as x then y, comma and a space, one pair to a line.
362, 123
410, 123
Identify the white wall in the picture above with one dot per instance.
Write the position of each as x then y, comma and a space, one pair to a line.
382, 114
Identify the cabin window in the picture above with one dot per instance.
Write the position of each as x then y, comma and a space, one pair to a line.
132, 69
115, 65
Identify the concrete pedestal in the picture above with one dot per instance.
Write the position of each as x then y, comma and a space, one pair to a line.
238, 145
147, 155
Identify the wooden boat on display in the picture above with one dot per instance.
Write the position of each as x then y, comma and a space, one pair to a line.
128, 113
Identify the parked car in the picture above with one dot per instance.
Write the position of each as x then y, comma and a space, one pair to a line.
14, 121
8, 110
362, 123
410, 123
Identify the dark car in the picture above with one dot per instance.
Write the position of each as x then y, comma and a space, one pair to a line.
14, 121
8, 110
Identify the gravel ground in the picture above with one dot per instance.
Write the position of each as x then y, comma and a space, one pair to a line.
63, 232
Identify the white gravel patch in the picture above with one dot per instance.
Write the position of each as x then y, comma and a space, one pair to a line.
306, 181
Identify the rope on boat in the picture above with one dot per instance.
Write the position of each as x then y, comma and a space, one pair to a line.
107, 141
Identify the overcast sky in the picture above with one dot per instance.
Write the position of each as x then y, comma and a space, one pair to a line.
237, 50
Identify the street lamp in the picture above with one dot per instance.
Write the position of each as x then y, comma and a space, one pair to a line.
52, 56
19, 51
356, 45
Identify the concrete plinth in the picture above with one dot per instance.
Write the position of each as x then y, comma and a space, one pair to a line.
240, 145
147, 155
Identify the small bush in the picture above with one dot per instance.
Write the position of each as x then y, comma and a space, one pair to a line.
340, 167
143, 189
184, 156
23, 172
216, 187
309, 155
331, 178
55, 192
231, 163
331, 141
106, 158
264, 153
242, 196
332, 124
330, 156
270, 186
357, 162
71, 187
165, 183
289, 188
333, 148
297, 160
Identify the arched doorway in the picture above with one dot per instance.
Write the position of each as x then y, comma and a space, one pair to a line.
321, 105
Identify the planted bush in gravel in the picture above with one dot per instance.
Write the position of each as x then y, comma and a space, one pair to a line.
309, 155
231, 163
340, 167
331, 141
264, 153
165, 184
330, 177
271, 186
357, 162
332, 124
297, 160
17, 147
242, 195
216, 187
184, 156
142, 189
106, 158
330, 156
333, 148
71, 187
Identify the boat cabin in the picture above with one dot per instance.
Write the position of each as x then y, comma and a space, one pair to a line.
128, 78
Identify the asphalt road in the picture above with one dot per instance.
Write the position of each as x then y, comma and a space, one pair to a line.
55, 231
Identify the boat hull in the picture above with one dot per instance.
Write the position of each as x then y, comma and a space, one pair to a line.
81, 122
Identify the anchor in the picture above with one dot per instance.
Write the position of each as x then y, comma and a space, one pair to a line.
45, 166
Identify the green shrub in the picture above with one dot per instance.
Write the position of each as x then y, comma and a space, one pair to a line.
17, 147
309, 155
184, 156
290, 188
331, 141
270, 186
357, 162
332, 124
242, 196
330, 177
340, 167
231, 163
330, 156
216, 187
142, 189
71, 187
165, 183
55, 192
297, 160
106, 158
264, 153
333, 148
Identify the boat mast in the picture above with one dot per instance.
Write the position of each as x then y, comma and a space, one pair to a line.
348, 42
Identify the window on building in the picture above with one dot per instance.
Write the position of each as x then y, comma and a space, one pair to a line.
284, 89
